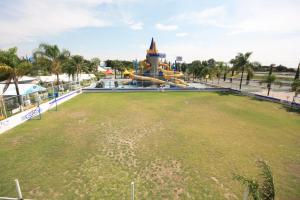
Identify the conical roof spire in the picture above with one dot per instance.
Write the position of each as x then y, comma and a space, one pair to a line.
151, 45
152, 48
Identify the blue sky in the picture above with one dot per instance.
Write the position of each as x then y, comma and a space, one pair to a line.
122, 29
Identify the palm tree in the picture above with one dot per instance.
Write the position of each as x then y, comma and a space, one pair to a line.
120, 67
14, 67
225, 71
80, 66
250, 73
194, 68
69, 68
241, 61
234, 68
219, 69
270, 78
53, 57
260, 190
250, 70
112, 64
297, 73
93, 65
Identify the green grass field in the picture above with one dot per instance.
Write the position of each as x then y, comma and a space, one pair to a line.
173, 145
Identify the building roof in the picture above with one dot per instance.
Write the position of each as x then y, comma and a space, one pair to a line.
25, 79
66, 77
152, 49
23, 88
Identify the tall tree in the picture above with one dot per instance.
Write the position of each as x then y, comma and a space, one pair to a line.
112, 64
296, 87
297, 72
93, 65
194, 68
225, 71
80, 66
52, 56
270, 78
219, 69
120, 66
234, 68
184, 66
241, 61
69, 68
14, 68
250, 70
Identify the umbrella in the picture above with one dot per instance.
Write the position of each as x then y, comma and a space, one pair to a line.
109, 71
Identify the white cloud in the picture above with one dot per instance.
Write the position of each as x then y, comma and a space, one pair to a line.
248, 16
131, 23
28, 19
209, 16
166, 27
182, 34
267, 16
137, 26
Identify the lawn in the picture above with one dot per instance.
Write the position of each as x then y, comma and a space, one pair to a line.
172, 145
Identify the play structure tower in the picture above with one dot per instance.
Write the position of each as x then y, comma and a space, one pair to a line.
153, 72
152, 59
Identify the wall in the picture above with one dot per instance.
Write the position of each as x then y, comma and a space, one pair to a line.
19, 118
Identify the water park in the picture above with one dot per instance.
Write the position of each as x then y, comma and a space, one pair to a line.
152, 72
160, 130
149, 100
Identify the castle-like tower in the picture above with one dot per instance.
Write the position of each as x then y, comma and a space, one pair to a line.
153, 59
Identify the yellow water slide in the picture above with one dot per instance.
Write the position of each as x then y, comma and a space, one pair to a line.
170, 75
155, 80
144, 64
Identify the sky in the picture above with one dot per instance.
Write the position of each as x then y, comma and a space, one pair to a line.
122, 29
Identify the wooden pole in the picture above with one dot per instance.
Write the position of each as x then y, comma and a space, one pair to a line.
4, 107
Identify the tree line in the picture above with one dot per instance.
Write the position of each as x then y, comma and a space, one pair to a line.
210, 69
239, 65
50, 59
46, 60
119, 65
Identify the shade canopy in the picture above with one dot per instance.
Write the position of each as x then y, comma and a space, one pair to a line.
109, 71
24, 89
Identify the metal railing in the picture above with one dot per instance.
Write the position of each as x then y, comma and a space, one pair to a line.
11, 105
19, 193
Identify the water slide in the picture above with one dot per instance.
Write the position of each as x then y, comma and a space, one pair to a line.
155, 80
145, 64
171, 75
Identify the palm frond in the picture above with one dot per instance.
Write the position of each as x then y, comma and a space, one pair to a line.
247, 55
23, 68
252, 185
6, 69
267, 189
7, 83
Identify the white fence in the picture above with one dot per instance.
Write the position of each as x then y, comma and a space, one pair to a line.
19, 118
